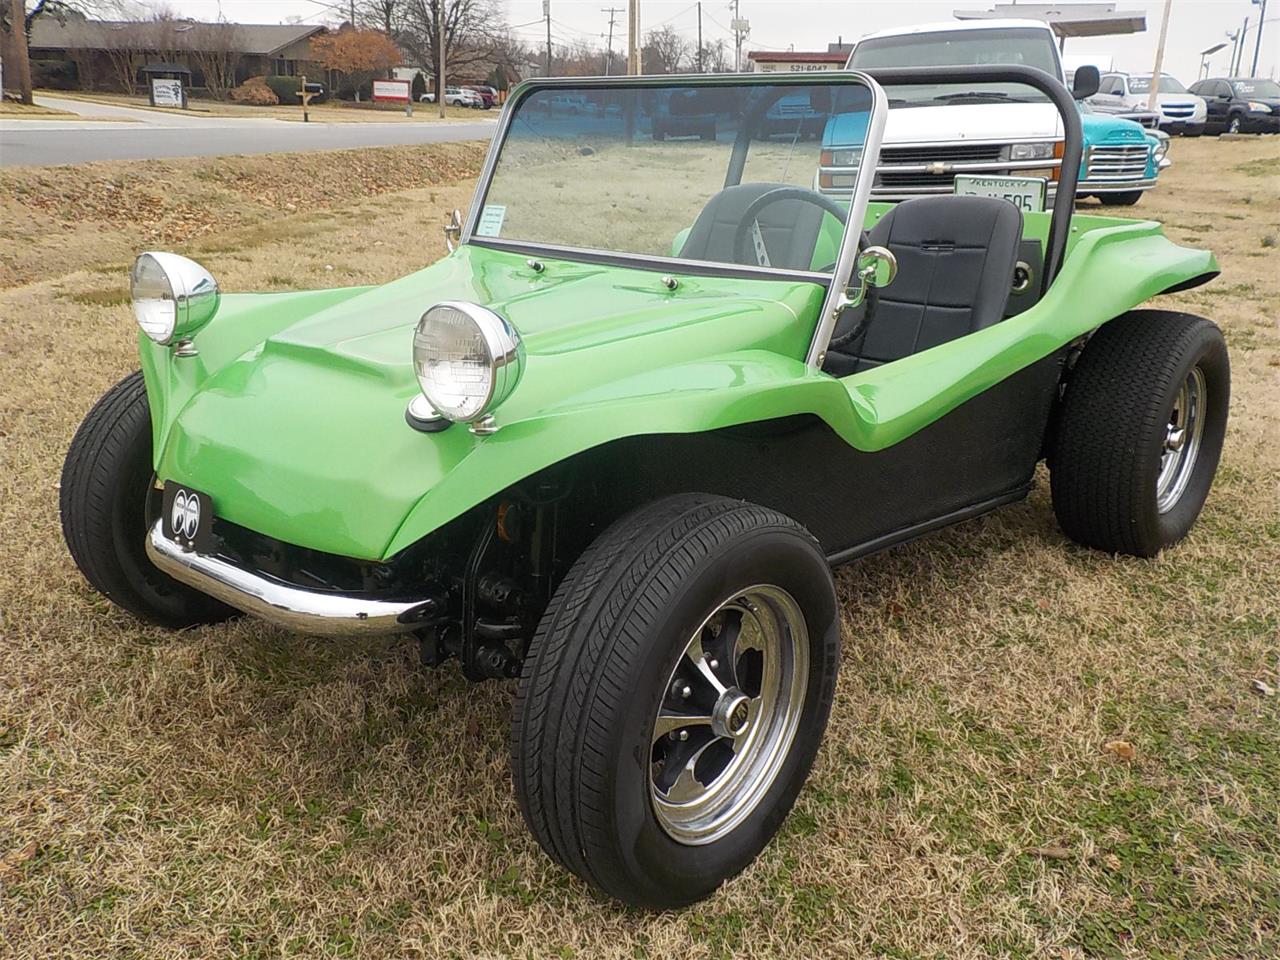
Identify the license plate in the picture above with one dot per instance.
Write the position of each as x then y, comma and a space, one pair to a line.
187, 517
1025, 193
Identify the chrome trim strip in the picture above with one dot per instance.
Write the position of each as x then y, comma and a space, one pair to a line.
847, 260
643, 261
303, 611
964, 166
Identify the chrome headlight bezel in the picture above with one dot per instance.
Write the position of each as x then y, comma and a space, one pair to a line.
1039, 150
172, 296
497, 353
1159, 148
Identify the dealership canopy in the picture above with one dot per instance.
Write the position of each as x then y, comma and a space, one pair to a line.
1067, 19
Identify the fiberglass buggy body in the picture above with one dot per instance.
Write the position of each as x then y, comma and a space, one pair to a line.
615, 441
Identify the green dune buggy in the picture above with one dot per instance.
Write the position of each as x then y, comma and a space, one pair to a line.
614, 443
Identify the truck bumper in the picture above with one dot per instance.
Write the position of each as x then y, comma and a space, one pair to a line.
314, 612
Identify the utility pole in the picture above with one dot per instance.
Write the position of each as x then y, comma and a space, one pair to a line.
1155, 71
740, 30
700, 70
633, 38
440, 24
353, 12
546, 12
608, 47
1237, 51
1257, 45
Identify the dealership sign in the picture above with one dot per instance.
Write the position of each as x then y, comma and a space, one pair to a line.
167, 93
395, 91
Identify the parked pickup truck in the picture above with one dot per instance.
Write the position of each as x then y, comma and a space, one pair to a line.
938, 131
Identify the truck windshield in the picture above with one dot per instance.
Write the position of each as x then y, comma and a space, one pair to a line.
675, 170
1167, 85
1028, 47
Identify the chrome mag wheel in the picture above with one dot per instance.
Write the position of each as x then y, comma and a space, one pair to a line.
729, 714
1181, 441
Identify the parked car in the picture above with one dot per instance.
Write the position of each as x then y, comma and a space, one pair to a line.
1240, 104
456, 97
1181, 111
682, 114
936, 132
564, 455
488, 95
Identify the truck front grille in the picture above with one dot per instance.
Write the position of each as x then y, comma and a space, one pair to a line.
1110, 164
945, 152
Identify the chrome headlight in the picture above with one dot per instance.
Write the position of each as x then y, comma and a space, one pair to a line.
172, 296
1031, 151
467, 359
850, 157
1159, 149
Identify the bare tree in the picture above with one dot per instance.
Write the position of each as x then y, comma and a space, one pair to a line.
665, 50
715, 57
382, 15
216, 51
472, 33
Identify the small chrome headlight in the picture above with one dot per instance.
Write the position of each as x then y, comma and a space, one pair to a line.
467, 359
172, 296
1031, 151
1160, 149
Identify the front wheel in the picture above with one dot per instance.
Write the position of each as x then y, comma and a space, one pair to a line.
108, 501
674, 697
1234, 125
1126, 199
1140, 431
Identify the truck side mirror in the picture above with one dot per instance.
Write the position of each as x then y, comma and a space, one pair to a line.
1086, 81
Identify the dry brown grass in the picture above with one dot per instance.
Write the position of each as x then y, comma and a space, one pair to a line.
331, 111
234, 791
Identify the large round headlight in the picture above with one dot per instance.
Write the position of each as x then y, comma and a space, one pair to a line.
172, 296
468, 359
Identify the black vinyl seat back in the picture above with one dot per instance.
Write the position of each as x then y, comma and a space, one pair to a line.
956, 258
790, 228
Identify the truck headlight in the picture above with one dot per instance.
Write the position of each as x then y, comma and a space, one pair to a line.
1159, 149
172, 296
840, 158
1257, 107
467, 359
1031, 151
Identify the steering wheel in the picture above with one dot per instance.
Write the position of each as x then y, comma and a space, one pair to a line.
749, 225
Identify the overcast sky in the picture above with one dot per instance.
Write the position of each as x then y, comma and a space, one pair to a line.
812, 24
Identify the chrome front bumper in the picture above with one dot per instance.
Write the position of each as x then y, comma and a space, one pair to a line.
294, 608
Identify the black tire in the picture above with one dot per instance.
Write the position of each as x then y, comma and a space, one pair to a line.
599, 668
1112, 426
1126, 199
107, 502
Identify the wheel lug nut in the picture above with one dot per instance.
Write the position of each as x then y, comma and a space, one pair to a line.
685, 692
713, 664
684, 735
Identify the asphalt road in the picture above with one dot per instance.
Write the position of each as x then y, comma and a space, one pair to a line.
124, 133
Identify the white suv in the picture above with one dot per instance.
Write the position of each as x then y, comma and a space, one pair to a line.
1181, 111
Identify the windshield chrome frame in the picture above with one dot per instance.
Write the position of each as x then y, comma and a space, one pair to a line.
837, 282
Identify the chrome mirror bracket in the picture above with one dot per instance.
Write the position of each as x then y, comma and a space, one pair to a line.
453, 230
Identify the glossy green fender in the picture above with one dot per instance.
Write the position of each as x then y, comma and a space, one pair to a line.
292, 415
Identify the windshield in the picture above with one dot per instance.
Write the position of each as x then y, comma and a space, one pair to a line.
676, 170
1256, 88
1003, 46
1167, 85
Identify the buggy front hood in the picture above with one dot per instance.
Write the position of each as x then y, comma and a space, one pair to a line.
292, 416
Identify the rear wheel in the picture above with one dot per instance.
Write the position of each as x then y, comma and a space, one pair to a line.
108, 501
1234, 125
674, 697
1140, 431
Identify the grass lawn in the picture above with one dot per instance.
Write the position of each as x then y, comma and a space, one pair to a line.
327, 112
1035, 750
21, 111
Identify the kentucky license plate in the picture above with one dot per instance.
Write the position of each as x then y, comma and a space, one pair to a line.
187, 517
1025, 193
